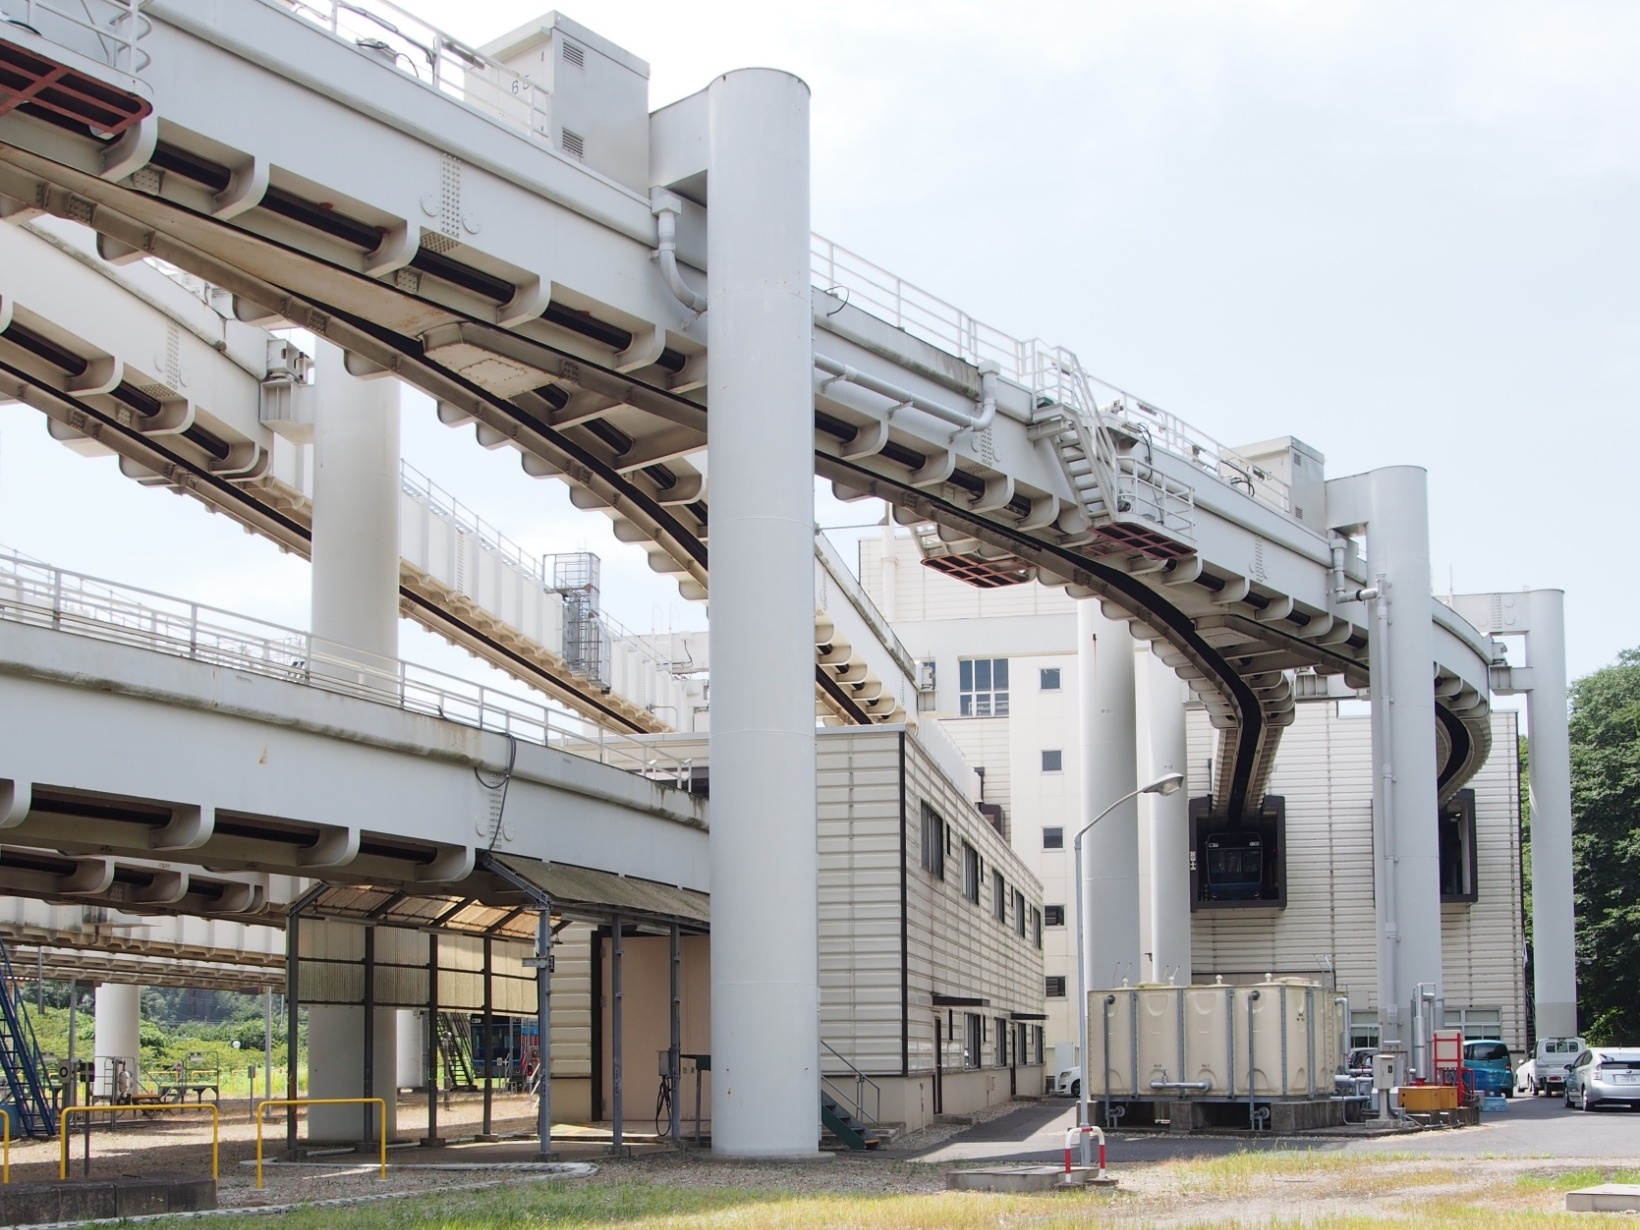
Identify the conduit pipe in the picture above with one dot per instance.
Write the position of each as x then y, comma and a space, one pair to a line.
962, 421
1197, 1086
666, 208
1252, 1064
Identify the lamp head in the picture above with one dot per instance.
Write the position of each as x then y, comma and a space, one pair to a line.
1167, 783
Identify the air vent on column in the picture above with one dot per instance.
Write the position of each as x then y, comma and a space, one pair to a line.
572, 143
575, 55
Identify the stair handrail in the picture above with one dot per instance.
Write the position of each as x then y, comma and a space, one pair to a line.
34, 1101
1067, 384
861, 1082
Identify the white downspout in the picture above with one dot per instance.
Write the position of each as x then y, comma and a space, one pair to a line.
666, 208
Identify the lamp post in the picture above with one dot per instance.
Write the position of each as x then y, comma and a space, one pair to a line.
1167, 783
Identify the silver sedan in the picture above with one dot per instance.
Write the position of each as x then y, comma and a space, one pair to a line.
1602, 1075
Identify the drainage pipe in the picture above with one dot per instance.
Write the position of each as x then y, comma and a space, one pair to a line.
1196, 1086
1342, 1003
666, 208
1252, 1064
961, 420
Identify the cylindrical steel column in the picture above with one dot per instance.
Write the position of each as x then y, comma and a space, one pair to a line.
764, 861
1407, 850
118, 1037
1110, 859
355, 521
1549, 780
1168, 891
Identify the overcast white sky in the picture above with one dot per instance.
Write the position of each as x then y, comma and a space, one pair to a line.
1404, 232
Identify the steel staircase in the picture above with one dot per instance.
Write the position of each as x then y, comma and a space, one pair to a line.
1129, 505
455, 1047
844, 1115
28, 1088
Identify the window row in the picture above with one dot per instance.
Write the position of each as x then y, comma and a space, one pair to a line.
1014, 1042
982, 685
935, 833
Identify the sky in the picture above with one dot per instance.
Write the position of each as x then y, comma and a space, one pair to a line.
1404, 232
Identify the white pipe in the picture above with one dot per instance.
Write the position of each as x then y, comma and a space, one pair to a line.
666, 208
764, 862
962, 420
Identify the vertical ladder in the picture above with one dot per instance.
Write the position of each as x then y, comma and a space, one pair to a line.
21, 1066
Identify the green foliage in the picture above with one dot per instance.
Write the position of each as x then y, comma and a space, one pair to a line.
1605, 733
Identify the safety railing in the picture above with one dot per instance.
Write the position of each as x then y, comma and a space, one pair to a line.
388, 33
446, 507
855, 1104
44, 597
195, 1108
295, 1103
108, 31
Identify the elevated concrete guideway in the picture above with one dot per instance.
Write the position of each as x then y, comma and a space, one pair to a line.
279, 777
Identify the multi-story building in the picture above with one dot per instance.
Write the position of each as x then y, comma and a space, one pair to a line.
999, 669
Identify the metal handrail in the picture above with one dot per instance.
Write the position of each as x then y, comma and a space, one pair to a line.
89, 1110
446, 507
861, 1081
40, 596
455, 69
113, 41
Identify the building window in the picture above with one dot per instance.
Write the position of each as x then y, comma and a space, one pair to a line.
999, 897
1056, 986
1053, 760
1050, 679
973, 1038
1038, 1043
970, 873
982, 687
1021, 919
1036, 926
1053, 839
1001, 1024
1053, 915
933, 842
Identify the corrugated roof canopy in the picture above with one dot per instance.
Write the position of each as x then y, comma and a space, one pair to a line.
500, 899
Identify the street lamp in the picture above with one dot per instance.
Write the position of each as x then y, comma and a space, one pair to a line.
1167, 783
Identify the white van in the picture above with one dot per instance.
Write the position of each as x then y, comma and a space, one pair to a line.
1554, 1056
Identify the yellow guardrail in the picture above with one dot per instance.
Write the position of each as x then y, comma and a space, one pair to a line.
62, 1130
5, 1150
381, 1103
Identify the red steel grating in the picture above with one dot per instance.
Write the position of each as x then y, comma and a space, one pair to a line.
982, 573
32, 80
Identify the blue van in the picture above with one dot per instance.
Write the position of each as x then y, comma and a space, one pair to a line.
1488, 1067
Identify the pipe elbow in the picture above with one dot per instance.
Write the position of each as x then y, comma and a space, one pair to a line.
666, 208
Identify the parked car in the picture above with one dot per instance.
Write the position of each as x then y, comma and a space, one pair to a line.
1068, 1083
1524, 1076
1604, 1074
1549, 1064
1488, 1067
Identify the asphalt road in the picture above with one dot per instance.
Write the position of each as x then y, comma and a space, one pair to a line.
1530, 1127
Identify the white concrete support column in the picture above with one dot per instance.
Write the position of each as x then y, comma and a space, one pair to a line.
355, 519
355, 617
335, 1049
408, 1031
1162, 696
1549, 781
119, 1034
1401, 648
765, 865
1110, 854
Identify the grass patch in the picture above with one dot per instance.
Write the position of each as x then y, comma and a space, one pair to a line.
1571, 1180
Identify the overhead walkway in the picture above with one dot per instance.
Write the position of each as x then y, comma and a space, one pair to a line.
510, 272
